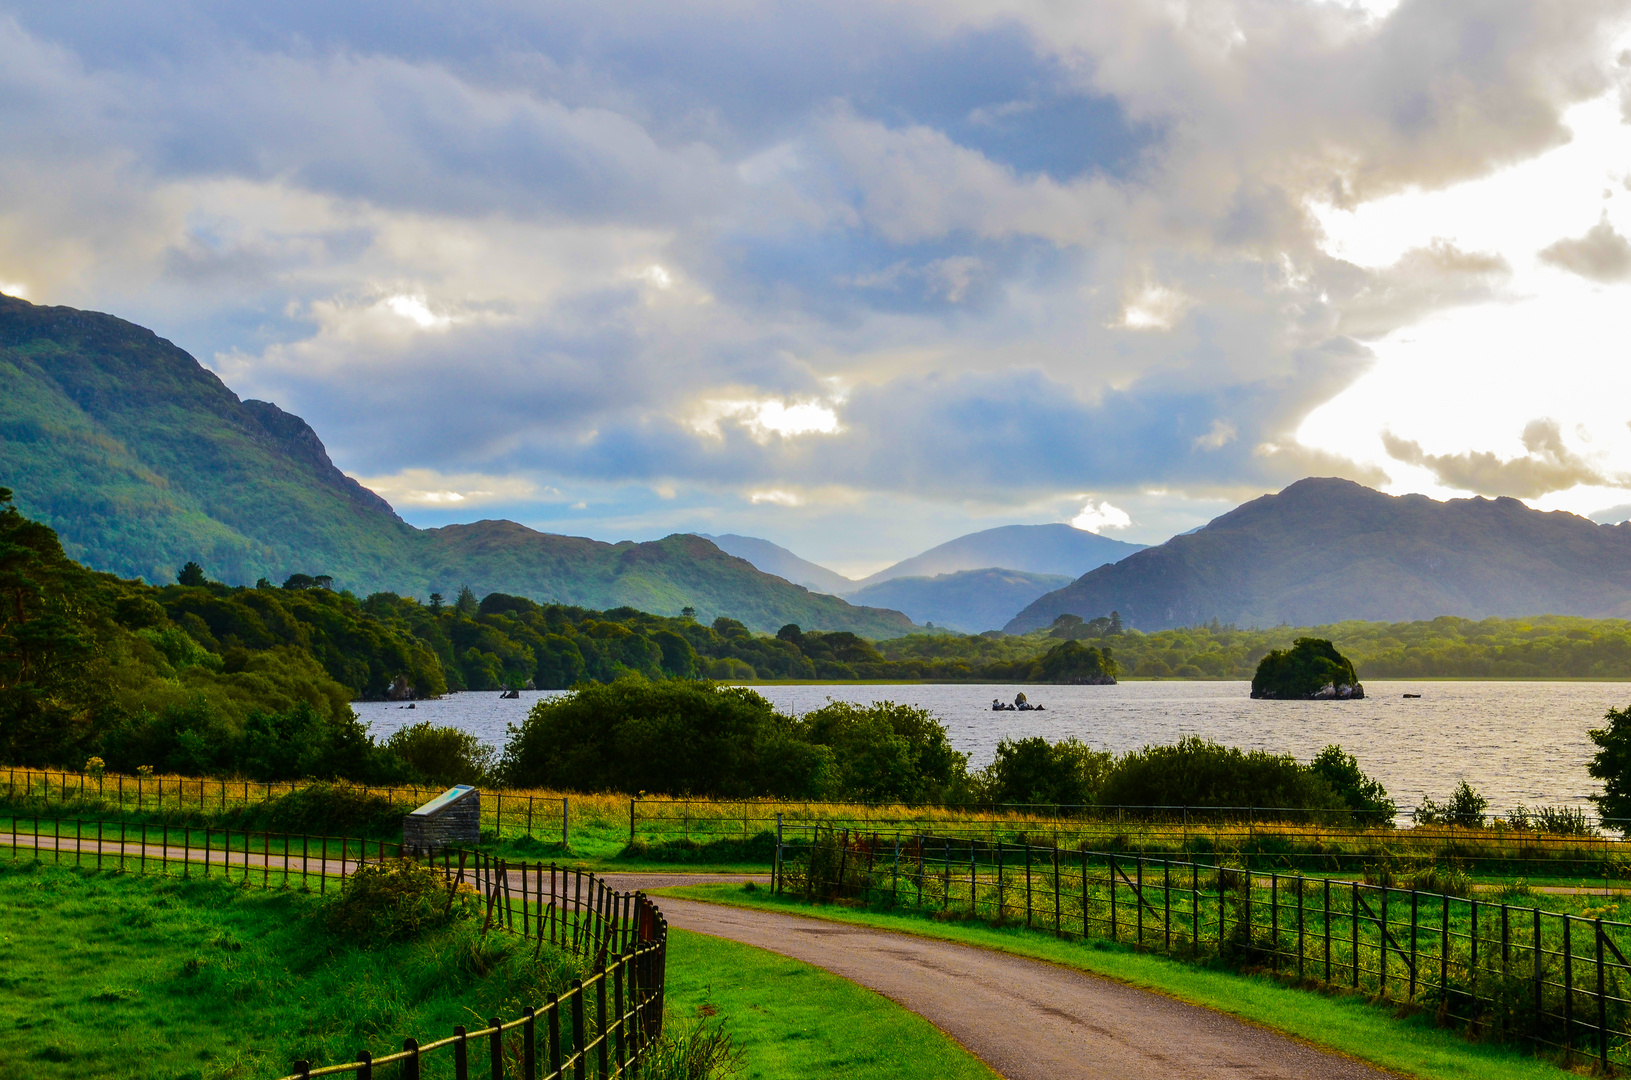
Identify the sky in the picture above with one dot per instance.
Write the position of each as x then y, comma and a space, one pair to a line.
859, 278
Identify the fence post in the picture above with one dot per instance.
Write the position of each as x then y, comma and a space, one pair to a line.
1538, 975
843, 857
1114, 936
1274, 920
1568, 992
566, 831
367, 1061
1602, 1004
410, 1064
1415, 904
552, 1006
1353, 926
631, 819
1328, 929
1026, 840
1166, 903
461, 1053
1444, 951
775, 867
580, 1045
495, 1048
529, 1044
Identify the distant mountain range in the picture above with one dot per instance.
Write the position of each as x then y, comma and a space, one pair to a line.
1031, 549
1326, 550
142, 460
971, 601
774, 559
973, 583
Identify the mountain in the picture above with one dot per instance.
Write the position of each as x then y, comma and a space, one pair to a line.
1326, 550
142, 460
660, 576
774, 559
969, 600
1033, 549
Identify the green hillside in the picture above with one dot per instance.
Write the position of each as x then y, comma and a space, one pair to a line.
142, 460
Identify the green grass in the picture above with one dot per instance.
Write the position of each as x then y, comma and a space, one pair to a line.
117, 975
1344, 1023
795, 1020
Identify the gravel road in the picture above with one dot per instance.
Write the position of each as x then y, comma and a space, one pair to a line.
1027, 1019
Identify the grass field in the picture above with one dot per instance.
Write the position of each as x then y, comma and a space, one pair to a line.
118, 975
720, 835
1350, 1024
111, 974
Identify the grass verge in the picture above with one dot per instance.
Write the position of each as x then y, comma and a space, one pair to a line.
1369, 1031
794, 1020
118, 975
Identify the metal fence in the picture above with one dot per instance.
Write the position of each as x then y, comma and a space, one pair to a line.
1267, 838
512, 814
1506, 971
604, 1023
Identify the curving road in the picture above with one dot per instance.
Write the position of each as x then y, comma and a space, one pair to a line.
1027, 1019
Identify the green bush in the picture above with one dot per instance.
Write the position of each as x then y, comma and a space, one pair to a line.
672, 737
1465, 807
887, 752
1366, 797
1036, 771
338, 809
1198, 772
394, 901
442, 755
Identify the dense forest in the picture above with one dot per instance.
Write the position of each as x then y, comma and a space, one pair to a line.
1541, 647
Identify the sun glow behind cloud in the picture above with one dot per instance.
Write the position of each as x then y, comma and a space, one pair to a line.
765, 418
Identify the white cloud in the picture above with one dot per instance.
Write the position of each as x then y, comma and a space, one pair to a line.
762, 419
1098, 516
776, 497
428, 488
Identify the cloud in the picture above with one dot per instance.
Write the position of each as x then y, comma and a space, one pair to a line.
1039, 249
1549, 466
1601, 255
1096, 517
1432, 278
420, 488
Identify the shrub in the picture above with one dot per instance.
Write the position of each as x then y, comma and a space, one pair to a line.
1366, 797
393, 901
1198, 772
672, 737
442, 755
1465, 808
338, 809
886, 751
1612, 765
1036, 771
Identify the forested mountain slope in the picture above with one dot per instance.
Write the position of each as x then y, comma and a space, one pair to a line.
1326, 550
142, 460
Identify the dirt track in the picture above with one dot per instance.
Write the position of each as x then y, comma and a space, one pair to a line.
1027, 1019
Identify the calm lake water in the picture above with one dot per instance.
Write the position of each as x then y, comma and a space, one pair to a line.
1521, 742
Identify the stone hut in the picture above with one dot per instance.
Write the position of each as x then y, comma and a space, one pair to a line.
453, 817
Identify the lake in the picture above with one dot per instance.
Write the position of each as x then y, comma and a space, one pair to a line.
1516, 742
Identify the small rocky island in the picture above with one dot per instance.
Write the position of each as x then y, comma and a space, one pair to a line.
1311, 669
